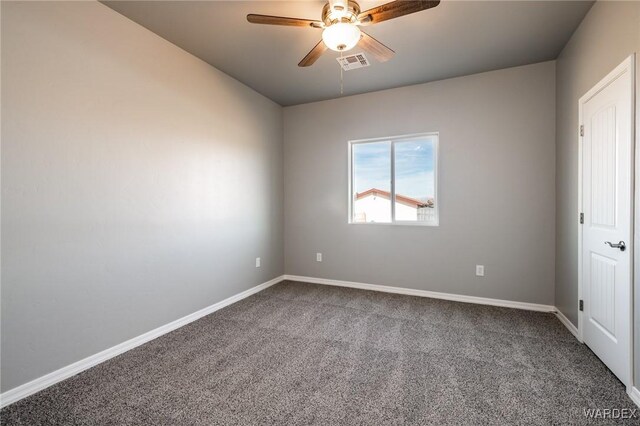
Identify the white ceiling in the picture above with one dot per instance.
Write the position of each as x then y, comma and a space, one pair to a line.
456, 38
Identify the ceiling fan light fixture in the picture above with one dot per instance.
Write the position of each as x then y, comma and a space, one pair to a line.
341, 36
340, 20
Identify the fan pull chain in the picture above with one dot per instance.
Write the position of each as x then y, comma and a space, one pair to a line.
341, 78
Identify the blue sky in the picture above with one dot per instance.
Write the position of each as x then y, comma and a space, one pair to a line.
414, 167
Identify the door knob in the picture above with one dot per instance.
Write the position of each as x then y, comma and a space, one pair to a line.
621, 245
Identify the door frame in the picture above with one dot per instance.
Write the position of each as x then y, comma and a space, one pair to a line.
627, 65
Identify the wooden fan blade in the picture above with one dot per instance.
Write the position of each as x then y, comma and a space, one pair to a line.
381, 52
313, 56
394, 9
282, 20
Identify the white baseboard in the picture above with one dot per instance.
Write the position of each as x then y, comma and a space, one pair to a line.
425, 293
564, 320
52, 378
634, 394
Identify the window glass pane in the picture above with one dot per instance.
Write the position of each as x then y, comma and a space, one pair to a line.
415, 180
371, 182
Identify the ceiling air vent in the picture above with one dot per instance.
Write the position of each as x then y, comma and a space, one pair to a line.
352, 62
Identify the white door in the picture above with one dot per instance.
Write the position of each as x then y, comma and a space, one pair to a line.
606, 113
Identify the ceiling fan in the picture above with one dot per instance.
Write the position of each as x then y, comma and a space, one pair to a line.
341, 22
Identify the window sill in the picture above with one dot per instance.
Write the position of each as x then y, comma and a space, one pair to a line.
399, 223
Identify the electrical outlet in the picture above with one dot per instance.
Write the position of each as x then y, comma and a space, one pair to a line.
319, 257
257, 262
480, 270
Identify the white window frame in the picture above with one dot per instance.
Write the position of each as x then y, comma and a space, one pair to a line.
393, 140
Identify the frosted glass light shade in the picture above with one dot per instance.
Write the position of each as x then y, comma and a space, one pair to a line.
341, 36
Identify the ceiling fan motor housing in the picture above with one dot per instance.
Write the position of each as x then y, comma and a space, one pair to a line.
332, 16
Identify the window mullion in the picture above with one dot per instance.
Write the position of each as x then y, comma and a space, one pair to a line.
393, 182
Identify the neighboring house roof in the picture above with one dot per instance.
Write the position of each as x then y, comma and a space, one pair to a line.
386, 194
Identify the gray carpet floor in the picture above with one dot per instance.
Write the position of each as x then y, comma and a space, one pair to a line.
309, 354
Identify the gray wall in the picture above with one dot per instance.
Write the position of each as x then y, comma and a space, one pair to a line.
138, 185
609, 33
496, 187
